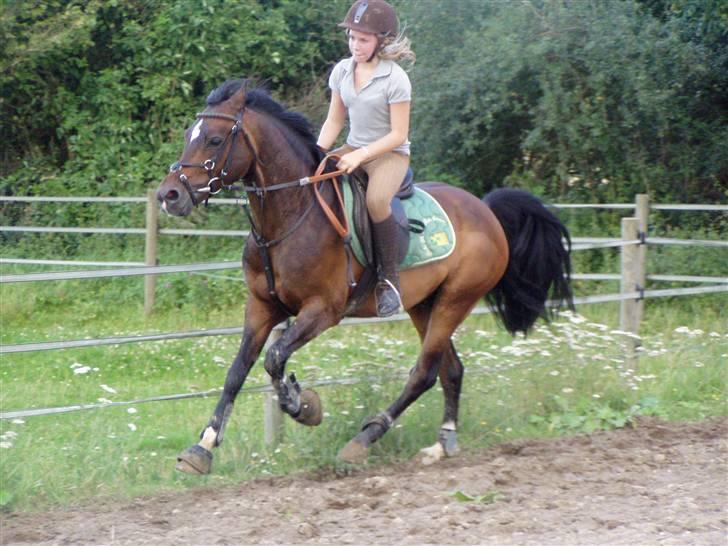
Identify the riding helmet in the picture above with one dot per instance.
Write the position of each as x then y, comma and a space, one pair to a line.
373, 17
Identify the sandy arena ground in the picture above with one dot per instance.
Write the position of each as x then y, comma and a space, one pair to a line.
659, 483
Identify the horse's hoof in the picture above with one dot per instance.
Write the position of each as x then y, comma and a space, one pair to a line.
195, 460
354, 453
431, 455
311, 412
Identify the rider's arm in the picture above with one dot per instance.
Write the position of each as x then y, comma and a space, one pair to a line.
335, 120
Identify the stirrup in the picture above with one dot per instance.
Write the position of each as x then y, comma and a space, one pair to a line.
387, 298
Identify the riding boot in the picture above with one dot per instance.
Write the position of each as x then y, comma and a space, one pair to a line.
386, 292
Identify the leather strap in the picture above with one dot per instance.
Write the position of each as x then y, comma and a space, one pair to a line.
341, 228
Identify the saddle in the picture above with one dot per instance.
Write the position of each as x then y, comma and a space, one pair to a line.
362, 223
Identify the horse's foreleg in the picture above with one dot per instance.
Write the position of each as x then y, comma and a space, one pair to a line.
303, 405
198, 458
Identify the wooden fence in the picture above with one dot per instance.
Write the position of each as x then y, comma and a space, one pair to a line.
633, 276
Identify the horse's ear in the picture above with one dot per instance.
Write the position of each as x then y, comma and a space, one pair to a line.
237, 101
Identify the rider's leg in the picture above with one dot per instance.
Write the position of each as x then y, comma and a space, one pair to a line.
386, 173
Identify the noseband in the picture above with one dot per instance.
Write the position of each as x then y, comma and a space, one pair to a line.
215, 184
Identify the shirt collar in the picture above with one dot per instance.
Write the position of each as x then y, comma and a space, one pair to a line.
384, 68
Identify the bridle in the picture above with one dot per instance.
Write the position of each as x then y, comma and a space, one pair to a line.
215, 183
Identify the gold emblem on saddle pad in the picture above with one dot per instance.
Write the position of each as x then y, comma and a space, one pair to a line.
439, 238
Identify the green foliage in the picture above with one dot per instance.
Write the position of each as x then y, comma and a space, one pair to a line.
487, 498
582, 101
104, 89
588, 101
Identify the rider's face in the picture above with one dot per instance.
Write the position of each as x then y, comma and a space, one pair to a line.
362, 45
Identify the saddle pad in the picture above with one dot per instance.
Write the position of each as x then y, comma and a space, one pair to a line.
436, 242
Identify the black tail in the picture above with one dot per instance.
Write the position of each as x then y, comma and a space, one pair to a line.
539, 267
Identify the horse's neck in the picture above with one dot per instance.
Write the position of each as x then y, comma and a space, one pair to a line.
278, 211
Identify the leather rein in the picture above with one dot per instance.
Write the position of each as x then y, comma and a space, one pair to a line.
216, 183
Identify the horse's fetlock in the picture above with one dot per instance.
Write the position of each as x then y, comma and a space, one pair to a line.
289, 396
375, 427
448, 440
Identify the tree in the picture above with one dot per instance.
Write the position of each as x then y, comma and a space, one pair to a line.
588, 100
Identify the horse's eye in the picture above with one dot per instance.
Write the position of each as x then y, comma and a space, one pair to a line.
215, 141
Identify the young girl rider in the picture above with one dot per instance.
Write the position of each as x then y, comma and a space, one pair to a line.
374, 92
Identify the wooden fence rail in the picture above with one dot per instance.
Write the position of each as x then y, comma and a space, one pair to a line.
633, 276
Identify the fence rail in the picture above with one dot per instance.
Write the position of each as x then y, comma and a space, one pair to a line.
237, 201
631, 296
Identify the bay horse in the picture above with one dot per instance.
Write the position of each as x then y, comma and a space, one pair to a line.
510, 249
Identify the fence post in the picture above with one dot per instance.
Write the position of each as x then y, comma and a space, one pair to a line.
628, 309
272, 414
150, 250
642, 211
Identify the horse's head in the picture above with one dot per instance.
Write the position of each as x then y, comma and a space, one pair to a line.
213, 156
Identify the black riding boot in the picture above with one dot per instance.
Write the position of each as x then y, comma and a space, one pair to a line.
386, 292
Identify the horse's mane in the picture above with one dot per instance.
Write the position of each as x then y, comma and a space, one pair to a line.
259, 99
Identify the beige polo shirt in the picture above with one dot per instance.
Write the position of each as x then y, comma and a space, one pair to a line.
369, 118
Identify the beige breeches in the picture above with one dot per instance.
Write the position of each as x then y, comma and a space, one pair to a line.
386, 173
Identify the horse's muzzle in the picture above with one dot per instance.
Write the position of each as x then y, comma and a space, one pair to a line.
173, 199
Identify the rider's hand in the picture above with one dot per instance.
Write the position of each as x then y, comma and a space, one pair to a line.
352, 160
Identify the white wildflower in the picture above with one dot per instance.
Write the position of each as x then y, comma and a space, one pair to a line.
131, 410
132, 427
107, 389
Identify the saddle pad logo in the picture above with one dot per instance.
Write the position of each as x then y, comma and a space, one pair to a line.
439, 238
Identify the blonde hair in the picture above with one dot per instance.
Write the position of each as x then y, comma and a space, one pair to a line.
397, 49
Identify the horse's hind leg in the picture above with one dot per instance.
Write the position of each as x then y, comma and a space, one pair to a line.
442, 321
451, 379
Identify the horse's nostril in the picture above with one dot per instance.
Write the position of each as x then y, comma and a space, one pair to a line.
171, 196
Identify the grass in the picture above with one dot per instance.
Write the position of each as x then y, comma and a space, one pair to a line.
569, 377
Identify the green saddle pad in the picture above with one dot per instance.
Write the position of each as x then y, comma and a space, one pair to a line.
436, 242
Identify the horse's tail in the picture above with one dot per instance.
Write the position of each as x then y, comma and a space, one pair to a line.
539, 266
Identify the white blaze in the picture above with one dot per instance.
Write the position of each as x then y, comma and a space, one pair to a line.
196, 131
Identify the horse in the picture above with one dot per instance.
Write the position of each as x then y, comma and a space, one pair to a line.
510, 250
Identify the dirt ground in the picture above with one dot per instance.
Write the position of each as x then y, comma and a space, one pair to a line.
658, 483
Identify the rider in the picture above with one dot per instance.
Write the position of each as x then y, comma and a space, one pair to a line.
375, 93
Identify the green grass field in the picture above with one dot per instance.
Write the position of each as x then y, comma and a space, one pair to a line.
569, 377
